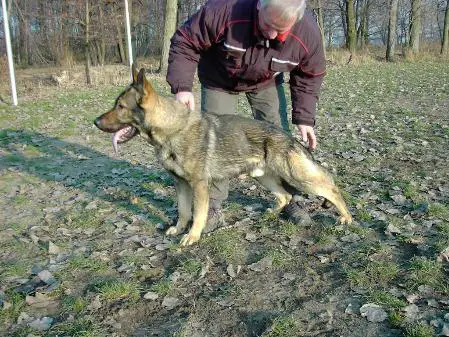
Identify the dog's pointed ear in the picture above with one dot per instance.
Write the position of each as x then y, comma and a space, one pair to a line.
144, 85
134, 71
146, 90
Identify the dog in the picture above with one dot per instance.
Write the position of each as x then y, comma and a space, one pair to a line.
199, 148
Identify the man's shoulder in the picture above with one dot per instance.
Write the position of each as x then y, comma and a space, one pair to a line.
235, 8
307, 30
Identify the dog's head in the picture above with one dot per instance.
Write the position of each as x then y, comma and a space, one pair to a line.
126, 117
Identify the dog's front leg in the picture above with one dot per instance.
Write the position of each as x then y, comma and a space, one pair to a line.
200, 208
184, 194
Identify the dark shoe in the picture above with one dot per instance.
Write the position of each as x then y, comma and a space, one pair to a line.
215, 219
297, 214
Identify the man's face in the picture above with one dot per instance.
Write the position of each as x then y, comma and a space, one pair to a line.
271, 23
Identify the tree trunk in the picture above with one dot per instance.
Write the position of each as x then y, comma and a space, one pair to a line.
342, 6
118, 27
350, 21
88, 78
321, 25
102, 44
23, 55
392, 24
415, 26
169, 29
364, 24
445, 41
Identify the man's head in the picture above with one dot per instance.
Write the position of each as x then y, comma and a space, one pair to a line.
277, 17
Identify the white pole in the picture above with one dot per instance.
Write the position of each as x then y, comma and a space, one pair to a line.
128, 34
12, 77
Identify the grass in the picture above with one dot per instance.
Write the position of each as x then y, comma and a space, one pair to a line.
17, 302
439, 211
282, 259
375, 275
282, 327
386, 300
120, 290
419, 330
86, 264
423, 271
226, 245
162, 287
191, 266
74, 304
81, 327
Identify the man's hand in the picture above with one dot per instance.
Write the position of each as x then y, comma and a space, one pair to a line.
187, 98
308, 135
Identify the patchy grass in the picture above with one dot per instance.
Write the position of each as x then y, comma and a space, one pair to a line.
282, 327
162, 287
376, 274
382, 129
423, 271
120, 290
226, 245
419, 330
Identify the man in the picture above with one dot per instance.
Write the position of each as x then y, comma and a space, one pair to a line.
245, 46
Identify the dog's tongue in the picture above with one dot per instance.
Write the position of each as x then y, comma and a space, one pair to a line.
122, 136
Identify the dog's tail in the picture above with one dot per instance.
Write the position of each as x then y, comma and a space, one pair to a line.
297, 167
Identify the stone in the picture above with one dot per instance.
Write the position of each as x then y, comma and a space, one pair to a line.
170, 302
151, 296
373, 312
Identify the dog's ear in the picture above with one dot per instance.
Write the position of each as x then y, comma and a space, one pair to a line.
134, 71
140, 79
145, 88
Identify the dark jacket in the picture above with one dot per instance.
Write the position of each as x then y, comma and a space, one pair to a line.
223, 41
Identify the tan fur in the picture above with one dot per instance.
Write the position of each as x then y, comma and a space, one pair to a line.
198, 149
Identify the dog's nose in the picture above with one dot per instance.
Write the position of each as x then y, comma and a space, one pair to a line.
97, 122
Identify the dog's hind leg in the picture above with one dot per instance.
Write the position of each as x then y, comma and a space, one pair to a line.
274, 185
200, 208
184, 194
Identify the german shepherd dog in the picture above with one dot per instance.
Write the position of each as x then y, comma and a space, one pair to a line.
199, 148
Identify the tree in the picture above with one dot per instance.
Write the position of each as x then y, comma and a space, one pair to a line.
171, 8
321, 24
363, 15
392, 25
88, 77
351, 38
445, 40
415, 26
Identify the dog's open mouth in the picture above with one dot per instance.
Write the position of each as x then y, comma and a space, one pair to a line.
123, 135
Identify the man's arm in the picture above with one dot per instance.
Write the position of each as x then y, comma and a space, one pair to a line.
305, 84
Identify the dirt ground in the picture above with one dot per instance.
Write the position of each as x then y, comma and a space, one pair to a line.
83, 250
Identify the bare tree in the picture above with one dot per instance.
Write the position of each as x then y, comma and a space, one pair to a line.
88, 77
351, 39
321, 24
415, 26
169, 29
445, 40
392, 26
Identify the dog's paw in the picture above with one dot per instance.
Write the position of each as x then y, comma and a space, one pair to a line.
189, 239
173, 230
345, 220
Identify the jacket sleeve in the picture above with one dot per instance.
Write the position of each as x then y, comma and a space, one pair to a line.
305, 82
195, 36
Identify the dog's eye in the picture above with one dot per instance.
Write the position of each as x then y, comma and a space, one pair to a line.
121, 106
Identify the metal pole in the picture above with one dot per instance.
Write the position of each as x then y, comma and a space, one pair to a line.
12, 77
128, 34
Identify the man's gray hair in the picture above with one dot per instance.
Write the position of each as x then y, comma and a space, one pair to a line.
287, 8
